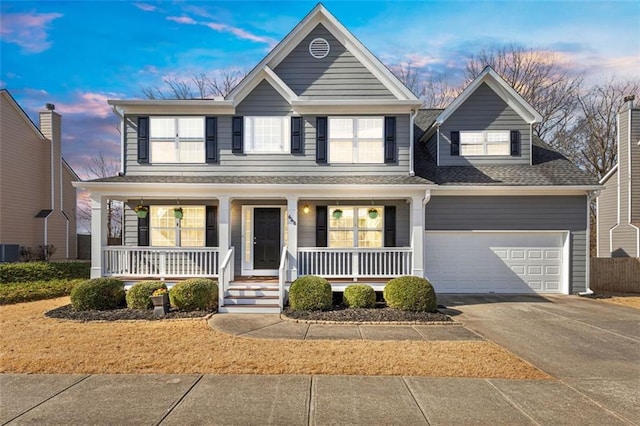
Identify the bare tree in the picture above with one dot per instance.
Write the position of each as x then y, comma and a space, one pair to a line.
410, 77
199, 86
100, 166
550, 86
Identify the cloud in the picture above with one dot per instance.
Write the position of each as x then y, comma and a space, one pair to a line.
88, 103
145, 6
27, 30
181, 20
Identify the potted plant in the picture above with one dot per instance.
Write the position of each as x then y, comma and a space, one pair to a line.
141, 211
337, 214
177, 212
160, 299
373, 213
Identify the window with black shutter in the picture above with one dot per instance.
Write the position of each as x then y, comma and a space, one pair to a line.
296, 135
455, 143
321, 226
211, 235
515, 143
211, 143
143, 140
143, 230
236, 137
389, 139
389, 226
321, 140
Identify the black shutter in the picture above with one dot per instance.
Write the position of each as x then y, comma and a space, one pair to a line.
455, 143
296, 135
515, 143
211, 134
237, 139
321, 142
389, 226
321, 226
143, 230
211, 236
389, 139
143, 140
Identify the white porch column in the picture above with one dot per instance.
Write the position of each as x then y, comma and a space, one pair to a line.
224, 226
417, 233
292, 236
98, 233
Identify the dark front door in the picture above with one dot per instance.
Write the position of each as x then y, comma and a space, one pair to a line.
266, 238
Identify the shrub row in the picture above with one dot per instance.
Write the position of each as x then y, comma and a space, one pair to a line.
35, 290
43, 271
108, 293
407, 293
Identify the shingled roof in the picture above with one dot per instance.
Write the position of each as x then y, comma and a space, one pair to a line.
273, 180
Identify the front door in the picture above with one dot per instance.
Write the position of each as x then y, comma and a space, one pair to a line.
266, 238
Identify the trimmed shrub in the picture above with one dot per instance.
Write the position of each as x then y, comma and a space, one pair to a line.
194, 294
138, 296
43, 271
310, 293
35, 290
359, 296
98, 294
409, 293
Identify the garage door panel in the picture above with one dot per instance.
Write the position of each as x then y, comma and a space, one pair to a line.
500, 262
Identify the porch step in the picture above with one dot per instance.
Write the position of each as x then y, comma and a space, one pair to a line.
251, 291
251, 300
250, 309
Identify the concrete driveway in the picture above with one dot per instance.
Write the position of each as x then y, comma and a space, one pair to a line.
591, 346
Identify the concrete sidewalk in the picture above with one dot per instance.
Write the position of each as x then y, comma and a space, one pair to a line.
292, 400
271, 326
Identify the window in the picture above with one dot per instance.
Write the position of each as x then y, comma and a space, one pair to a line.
356, 226
356, 140
489, 142
177, 139
266, 135
167, 231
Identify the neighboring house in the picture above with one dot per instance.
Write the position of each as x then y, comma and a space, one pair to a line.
37, 199
321, 162
619, 202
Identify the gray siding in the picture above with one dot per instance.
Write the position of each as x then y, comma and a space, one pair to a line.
484, 110
635, 166
517, 213
623, 165
337, 76
625, 241
607, 215
231, 164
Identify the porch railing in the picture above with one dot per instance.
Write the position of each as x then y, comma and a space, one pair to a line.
354, 262
160, 262
226, 275
282, 275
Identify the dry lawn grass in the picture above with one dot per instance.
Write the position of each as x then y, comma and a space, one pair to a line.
32, 343
625, 299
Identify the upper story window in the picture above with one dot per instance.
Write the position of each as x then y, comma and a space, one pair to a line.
167, 231
352, 226
356, 140
488, 142
177, 139
267, 135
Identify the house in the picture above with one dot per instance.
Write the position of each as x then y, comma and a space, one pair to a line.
37, 199
618, 206
321, 162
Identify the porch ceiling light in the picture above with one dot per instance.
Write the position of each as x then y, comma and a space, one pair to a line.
306, 209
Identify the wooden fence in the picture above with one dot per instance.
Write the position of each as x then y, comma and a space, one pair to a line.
616, 274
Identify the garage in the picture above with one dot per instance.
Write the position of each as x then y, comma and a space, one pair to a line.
496, 262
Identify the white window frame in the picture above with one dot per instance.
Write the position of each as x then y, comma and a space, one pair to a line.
177, 225
176, 140
250, 135
485, 143
355, 228
355, 140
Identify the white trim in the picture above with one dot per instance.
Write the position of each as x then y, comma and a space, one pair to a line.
412, 117
606, 177
502, 89
628, 142
618, 175
174, 106
566, 246
530, 144
354, 107
598, 235
438, 145
265, 74
320, 15
247, 267
513, 190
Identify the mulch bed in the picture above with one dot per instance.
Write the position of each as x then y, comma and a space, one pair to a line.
381, 313
67, 312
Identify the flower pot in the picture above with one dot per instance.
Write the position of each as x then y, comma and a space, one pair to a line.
177, 214
160, 304
142, 213
337, 214
373, 213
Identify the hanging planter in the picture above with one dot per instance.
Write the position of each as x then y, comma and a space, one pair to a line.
177, 212
337, 214
373, 213
141, 211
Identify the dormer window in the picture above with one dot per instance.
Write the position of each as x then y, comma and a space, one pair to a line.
177, 139
488, 142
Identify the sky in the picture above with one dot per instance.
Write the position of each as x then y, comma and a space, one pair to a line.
78, 54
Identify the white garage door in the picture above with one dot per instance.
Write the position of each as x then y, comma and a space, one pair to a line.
494, 262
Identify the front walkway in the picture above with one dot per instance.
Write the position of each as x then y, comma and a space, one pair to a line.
271, 326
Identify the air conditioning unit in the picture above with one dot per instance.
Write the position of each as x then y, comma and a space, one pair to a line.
9, 252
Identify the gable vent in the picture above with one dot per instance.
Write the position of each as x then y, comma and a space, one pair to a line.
319, 48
